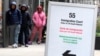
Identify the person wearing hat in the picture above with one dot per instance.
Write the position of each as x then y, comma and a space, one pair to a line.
24, 26
39, 19
13, 22
30, 24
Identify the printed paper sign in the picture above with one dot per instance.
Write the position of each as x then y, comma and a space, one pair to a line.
71, 29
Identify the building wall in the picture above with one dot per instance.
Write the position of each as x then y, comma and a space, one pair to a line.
33, 4
77, 1
5, 8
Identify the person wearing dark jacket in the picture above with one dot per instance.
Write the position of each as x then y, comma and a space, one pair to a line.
24, 26
31, 23
13, 22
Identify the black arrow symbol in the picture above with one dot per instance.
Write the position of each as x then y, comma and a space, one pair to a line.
67, 53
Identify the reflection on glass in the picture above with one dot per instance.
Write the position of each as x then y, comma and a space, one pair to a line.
98, 24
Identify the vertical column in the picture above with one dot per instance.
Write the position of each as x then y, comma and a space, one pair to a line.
35, 4
91, 1
31, 6
66, 0
45, 5
1, 23
70, 1
39, 2
26, 2
5, 8
17, 1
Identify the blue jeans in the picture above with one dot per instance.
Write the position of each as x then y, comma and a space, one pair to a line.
16, 33
13, 33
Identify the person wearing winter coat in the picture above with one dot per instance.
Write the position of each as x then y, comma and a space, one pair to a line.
26, 19
39, 19
13, 22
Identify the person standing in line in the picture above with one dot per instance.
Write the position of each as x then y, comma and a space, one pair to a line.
13, 22
39, 19
24, 26
30, 24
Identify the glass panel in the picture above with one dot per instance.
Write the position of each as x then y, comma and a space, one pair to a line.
98, 24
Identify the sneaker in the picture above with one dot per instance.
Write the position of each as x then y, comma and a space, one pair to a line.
30, 42
39, 42
15, 46
26, 45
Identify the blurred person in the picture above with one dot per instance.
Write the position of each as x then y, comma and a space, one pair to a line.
13, 22
44, 33
39, 19
31, 23
24, 31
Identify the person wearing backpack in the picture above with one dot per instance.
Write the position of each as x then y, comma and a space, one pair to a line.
13, 22
26, 20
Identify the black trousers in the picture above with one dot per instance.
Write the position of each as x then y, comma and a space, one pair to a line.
43, 32
24, 35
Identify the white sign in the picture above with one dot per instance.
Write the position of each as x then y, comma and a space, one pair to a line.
71, 29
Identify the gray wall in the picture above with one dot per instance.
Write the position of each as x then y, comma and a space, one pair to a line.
5, 8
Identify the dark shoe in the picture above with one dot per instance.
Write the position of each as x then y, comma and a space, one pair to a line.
19, 45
